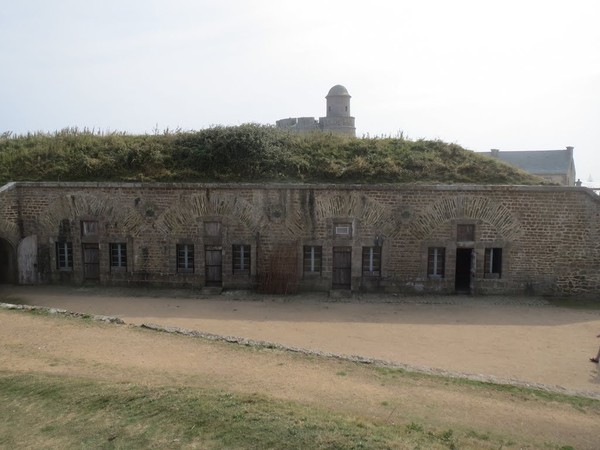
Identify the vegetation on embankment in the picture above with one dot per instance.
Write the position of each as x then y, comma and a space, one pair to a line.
246, 153
47, 411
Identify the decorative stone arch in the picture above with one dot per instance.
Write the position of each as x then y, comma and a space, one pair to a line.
80, 204
466, 207
358, 205
191, 208
9, 231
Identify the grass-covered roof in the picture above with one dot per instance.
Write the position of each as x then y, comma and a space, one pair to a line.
246, 153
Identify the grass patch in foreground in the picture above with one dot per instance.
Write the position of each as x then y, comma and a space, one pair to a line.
575, 303
520, 392
44, 411
12, 300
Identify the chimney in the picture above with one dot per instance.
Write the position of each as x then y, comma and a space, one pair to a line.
495, 152
570, 150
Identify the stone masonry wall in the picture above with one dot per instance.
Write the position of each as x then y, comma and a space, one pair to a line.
548, 236
9, 214
9, 233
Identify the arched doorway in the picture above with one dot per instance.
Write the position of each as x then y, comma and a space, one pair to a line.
8, 263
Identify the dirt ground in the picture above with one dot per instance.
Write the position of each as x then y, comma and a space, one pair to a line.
507, 338
494, 336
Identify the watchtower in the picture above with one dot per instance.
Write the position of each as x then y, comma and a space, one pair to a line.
338, 118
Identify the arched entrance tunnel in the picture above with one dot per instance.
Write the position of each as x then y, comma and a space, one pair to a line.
8, 263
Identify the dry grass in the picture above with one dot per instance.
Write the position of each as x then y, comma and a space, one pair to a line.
244, 153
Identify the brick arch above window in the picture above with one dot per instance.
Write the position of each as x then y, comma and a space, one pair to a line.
81, 205
9, 232
357, 205
191, 208
466, 208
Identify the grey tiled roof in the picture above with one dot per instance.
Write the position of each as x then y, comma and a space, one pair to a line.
538, 161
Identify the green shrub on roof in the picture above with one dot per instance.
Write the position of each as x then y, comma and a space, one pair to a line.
246, 153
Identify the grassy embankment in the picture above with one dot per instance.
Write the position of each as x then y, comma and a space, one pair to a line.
50, 412
244, 153
46, 411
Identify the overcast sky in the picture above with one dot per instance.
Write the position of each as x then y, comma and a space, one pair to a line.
511, 74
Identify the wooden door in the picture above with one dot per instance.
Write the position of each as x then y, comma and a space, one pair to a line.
213, 262
91, 262
27, 260
342, 268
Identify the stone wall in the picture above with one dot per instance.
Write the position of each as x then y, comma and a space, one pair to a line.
334, 124
298, 124
338, 124
10, 233
547, 237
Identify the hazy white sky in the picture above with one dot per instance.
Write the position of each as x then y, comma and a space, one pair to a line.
511, 74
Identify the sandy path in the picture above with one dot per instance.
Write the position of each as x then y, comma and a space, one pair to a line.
127, 354
539, 344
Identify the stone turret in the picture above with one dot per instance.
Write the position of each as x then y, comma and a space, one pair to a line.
338, 102
338, 118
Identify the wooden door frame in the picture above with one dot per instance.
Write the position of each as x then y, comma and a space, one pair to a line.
213, 248
347, 269
86, 265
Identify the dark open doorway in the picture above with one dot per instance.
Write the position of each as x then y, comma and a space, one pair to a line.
8, 263
462, 283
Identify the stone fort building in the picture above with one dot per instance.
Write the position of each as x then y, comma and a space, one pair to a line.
337, 119
304, 237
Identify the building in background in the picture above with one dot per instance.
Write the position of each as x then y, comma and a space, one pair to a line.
556, 166
337, 119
